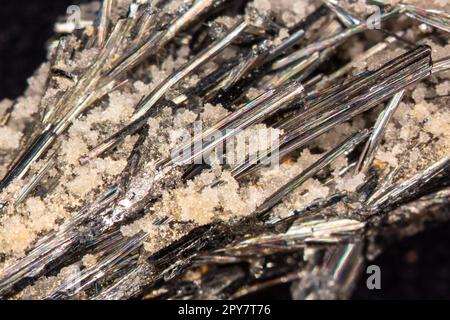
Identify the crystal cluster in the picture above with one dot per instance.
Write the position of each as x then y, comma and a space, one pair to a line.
94, 204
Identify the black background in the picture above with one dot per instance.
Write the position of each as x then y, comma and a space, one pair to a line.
416, 268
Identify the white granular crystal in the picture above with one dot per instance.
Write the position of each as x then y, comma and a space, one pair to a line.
120, 107
36, 83
253, 93
405, 131
73, 149
293, 12
24, 109
45, 285
86, 179
263, 6
27, 106
387, 157
179, 136
402, 112
212, 114
81, 129
434, 4
85, 57
437, 51
15, 236
228, 21
288, 11
5, 104
438, 125
109, 166
197, 206
184, 118
40, 218
174, 5
316, 190
214, 194
9, 138
422, 110
153, 126
414, 155
90, 177
359, 65
424, 137
350, 182
337, 135
283, 33
119, 110
443, 88
378, 60
89, 260
419, 93
41, 287
142, 88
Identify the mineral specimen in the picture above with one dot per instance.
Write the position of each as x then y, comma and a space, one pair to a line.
212, 148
